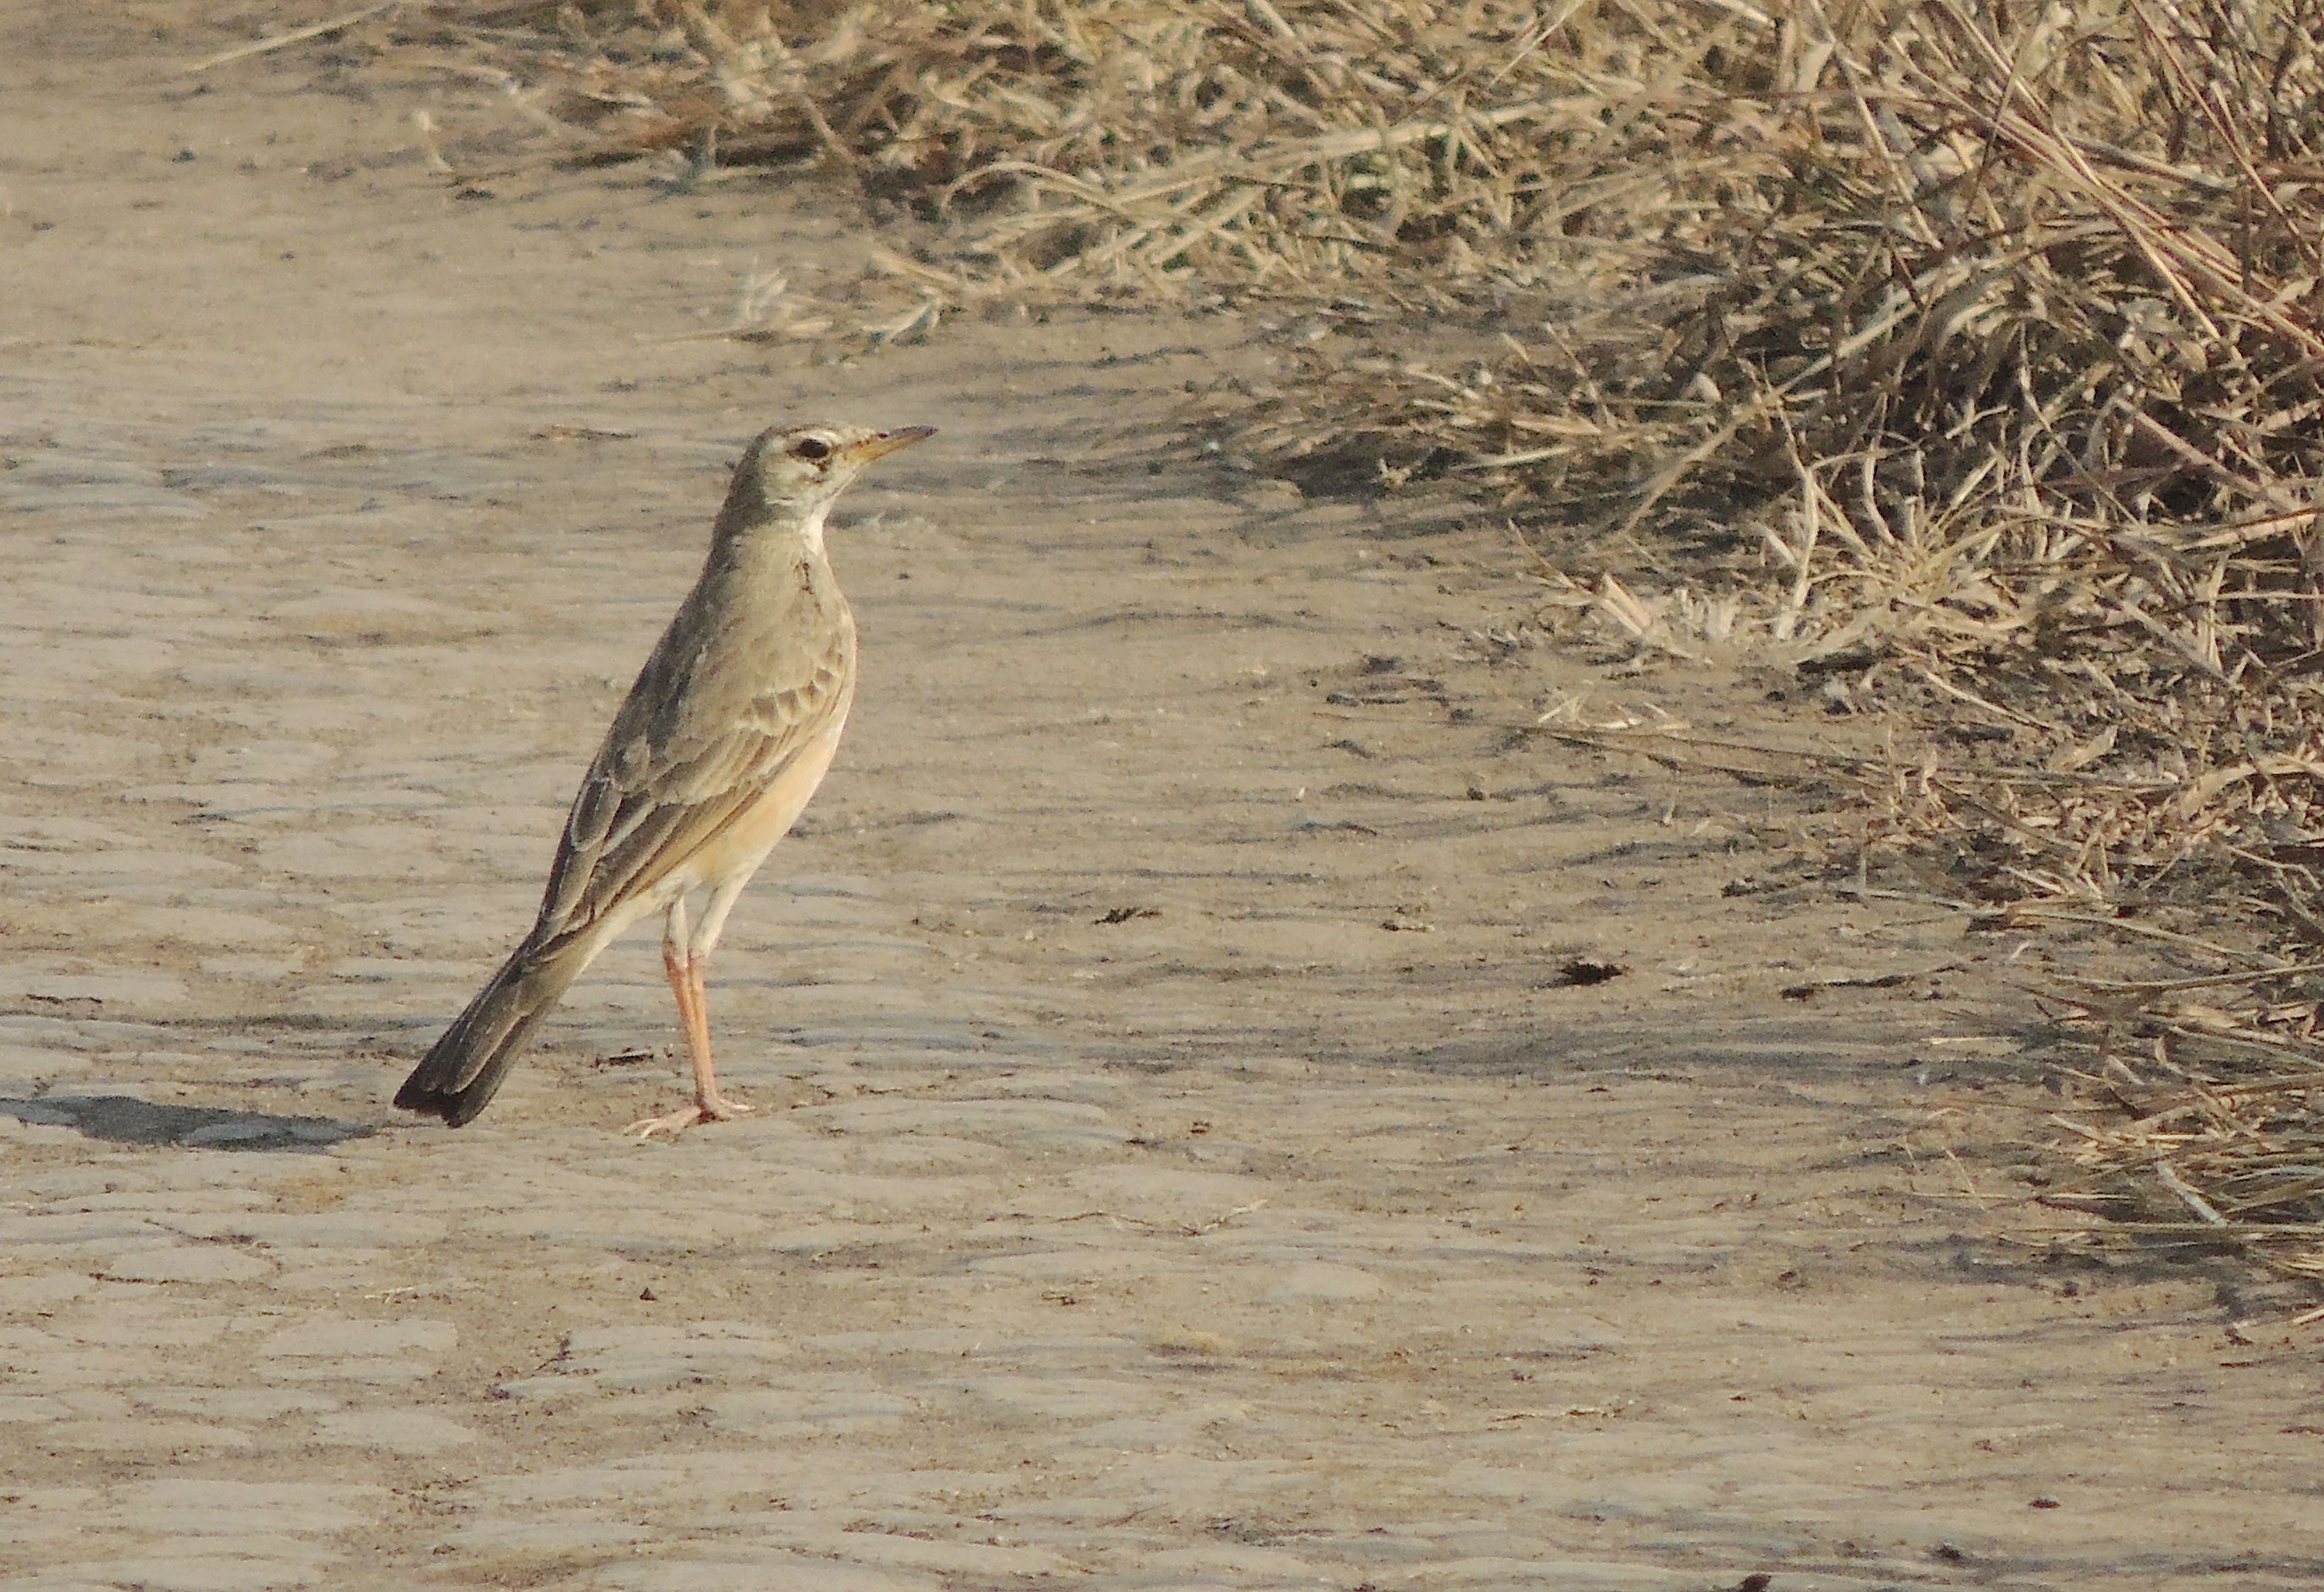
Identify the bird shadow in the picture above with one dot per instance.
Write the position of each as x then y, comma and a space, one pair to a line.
123, 1119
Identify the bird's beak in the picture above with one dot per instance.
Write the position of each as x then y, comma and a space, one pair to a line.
888, 442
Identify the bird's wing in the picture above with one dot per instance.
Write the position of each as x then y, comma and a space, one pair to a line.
657, 791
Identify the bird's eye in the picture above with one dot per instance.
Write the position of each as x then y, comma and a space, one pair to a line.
812, 447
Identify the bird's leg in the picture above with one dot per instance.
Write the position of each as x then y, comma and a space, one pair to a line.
682, 964
714, 1107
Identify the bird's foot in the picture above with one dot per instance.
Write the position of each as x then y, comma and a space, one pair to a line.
712, 1108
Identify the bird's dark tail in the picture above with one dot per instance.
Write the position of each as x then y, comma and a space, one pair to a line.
466, 1066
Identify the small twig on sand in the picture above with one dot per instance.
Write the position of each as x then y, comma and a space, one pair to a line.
296, 36
2202, 1208
1180, 1229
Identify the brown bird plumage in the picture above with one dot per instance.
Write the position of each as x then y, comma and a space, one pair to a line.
726, 733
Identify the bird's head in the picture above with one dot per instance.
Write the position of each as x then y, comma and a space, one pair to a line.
793, 474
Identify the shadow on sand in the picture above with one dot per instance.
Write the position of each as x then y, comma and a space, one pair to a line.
127, 1120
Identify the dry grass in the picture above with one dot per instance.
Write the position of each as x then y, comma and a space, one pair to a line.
1969, 348
2215, 1136
1131, 146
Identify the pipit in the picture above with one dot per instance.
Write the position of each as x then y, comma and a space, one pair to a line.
728, 731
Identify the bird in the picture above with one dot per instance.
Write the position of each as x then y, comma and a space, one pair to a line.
730, 727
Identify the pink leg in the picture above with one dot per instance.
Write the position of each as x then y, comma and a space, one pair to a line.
714, 1107
684, 972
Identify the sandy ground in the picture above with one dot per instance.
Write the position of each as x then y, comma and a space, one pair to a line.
1181, 1162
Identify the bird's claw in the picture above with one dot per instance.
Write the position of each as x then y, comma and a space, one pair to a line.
717, 1108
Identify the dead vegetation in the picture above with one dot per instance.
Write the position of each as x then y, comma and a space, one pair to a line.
1969, 349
